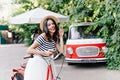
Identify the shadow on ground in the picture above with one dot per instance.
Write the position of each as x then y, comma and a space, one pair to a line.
89, 65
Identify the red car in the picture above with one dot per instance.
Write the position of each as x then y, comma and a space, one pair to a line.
84, 47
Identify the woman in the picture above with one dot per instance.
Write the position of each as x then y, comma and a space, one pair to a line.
51, 38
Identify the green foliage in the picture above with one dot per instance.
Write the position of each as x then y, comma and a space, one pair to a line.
25, 31
110, 31
105, 14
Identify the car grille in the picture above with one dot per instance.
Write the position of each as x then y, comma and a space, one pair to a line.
87, 51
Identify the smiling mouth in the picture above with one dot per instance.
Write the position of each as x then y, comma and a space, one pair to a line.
53, 29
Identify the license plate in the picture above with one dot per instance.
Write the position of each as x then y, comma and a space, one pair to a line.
88, 61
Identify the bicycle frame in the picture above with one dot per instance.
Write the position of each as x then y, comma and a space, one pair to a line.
19, 72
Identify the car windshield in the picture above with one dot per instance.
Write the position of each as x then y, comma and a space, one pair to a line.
79, 32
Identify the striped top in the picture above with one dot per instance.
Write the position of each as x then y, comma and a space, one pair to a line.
44, 44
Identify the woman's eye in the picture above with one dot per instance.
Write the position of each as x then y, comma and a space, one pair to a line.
53, 24
48, 25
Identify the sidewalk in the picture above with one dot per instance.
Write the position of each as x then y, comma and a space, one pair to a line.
11, 56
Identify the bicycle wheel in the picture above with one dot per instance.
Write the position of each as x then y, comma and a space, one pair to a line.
18, 76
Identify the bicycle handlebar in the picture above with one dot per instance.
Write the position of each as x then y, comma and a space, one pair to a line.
30, 56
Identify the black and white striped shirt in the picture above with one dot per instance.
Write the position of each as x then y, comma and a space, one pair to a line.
44, 44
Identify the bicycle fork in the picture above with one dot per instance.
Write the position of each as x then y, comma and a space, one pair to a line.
49, 72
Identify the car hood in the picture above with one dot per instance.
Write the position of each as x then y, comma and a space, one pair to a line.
85, 41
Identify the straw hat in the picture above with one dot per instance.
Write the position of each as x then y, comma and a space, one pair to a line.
50, 16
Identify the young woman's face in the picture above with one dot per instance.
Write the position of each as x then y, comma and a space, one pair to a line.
51, 26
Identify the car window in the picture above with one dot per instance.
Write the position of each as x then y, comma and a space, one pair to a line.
79, 32
74, 33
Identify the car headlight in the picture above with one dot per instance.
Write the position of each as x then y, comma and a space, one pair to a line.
70, 50
105, 49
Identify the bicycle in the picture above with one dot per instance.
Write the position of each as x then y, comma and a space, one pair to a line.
18, 73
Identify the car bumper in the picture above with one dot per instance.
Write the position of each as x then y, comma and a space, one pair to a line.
88, 60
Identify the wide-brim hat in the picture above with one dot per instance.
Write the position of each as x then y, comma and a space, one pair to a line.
46, 17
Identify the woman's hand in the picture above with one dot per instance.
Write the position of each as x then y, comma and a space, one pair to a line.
48, 53
61, 32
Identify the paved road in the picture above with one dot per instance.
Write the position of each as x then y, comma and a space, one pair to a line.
11, 56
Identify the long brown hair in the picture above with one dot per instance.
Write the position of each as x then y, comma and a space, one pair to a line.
45, 30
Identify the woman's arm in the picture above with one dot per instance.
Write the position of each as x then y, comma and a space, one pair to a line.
60, 45
32, 50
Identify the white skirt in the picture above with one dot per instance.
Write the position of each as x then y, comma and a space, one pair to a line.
36, 68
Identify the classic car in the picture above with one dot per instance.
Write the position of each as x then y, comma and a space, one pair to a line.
83, 46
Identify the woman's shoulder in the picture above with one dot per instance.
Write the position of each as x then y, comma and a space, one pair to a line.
43, 36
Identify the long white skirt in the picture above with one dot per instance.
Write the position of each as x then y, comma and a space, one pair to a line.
36, 68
